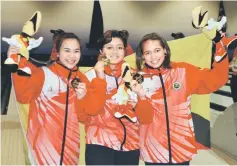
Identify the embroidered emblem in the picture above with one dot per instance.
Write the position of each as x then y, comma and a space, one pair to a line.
176, 85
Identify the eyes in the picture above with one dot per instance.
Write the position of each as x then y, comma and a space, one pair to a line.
150, 52
118, 48
147, 53
74, 51
77, 51
121, 48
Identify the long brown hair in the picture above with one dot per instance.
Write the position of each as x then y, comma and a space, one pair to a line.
139, 52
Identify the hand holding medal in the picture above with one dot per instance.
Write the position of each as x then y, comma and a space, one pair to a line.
75, 82
104, 59
79, 87
100, 66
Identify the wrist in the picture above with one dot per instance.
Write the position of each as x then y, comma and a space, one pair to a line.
100, 75
142, 97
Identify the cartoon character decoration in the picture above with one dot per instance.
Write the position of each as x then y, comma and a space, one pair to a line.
125, 97
25, 42
223, 44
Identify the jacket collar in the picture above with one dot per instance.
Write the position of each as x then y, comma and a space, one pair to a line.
154, 71
116, 72
62, 70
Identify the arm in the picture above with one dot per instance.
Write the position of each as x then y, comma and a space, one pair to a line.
95, 98
82, 116
204, 81
144, 111
96, 94
28, 88
94, 101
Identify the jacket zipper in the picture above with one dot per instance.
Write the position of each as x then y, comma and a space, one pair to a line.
167, 118
65, 122
124, 128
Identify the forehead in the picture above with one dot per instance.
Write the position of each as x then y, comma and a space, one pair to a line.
151, 44
115, 41
70, 43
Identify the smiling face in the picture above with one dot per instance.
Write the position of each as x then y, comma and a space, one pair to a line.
69, 53
153, 53
114, 50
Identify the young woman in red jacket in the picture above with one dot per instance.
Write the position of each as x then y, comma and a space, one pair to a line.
111, 140
169, 137
59, 97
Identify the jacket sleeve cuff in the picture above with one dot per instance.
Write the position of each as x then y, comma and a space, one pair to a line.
98, 82
144, 111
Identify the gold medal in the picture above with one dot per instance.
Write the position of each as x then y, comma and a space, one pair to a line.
75, 82
105, 60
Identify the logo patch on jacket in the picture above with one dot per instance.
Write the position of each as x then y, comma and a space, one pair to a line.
176, 85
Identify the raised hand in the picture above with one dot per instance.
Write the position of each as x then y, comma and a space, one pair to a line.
99, 69
12, 55
80, 90
12, 50
138, 89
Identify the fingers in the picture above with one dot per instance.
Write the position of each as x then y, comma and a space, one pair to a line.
132, 103
12, 50
81, 86
137, 88
81, 90
80, 94
100, 65
134, 85
106, 61
99, 69
103, 58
